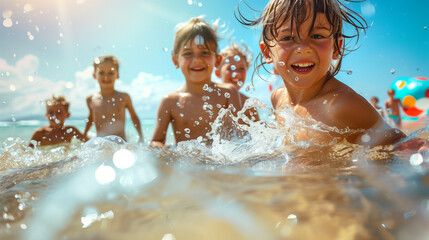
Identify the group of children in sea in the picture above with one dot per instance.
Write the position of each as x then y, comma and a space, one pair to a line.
304, 41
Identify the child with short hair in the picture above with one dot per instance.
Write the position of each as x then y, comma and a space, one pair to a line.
233, 69
393, 109
57, 111
374, 102
107, 107
304, 40
192, 108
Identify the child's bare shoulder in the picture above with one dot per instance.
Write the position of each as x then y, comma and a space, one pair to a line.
348, 108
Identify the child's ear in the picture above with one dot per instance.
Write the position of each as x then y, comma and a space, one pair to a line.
218, 60
217, 72
176, 63
68, 115
265, 52
336, 53
94, 75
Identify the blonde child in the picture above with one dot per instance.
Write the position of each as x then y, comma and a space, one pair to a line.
193, 107
304, 40
107, 107
233, 70
57, 111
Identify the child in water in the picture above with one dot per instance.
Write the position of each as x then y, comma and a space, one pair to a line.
374, 102
304, 40
393, 106
107, 107
193, 107
57, 111
233, 70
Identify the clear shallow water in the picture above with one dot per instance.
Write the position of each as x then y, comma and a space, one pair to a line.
240, 189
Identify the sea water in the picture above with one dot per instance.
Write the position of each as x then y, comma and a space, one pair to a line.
239, 188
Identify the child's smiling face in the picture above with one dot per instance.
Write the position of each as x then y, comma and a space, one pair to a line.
303, 58
196, 61
106, 73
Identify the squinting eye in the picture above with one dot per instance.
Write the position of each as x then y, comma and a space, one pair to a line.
317, 36
287, 38
187, 54
51, 113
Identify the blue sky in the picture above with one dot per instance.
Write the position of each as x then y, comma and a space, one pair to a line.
47, 47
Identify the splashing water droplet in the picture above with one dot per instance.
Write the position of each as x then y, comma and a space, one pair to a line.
178, 104
237, 58
189, 2
425, 27
325, 102
113, 120
181, 115
250, 88
69, 130
227, 95
197, 123
233, 68
187, 135
349, 71
187, 130
165, 49
218, 106
393, 71
416, 159
282, 63
103, 117
297, 79
200, 4
240, 83
12, 88
226, 60
365, 138
7, 23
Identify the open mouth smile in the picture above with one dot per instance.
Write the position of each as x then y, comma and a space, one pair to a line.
302, 67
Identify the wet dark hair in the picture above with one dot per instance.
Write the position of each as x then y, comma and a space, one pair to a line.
278, 12
191, 29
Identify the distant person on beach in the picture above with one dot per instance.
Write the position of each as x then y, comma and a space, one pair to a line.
233, 70
107, 107
374, 102
393, 109
304, 40
193, 107
57, 111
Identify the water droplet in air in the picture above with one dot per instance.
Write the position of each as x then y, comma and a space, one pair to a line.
187, 136
237, 58
234, 74
233, 67
240, 83
181, 115
69, 130
297, 79
349, 71
197, 123
200, 4
425, 28
12, 88
189, 2
227, 95
226, 60
113, 120
416, 159
393, 71
282, 63
165, 49
250, 88
103, 117
178, 104
7, 22
325, 102
187, 130
218, 105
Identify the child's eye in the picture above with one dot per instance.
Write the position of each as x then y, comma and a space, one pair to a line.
287, 38
318, 36
206, 53
187, 54
51, 113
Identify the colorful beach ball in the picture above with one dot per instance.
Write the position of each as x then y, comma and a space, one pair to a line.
414, 95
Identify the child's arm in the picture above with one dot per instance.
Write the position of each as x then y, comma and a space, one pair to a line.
90, 119
76, 133
161, 127
355, 113
37, 136
134, 117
